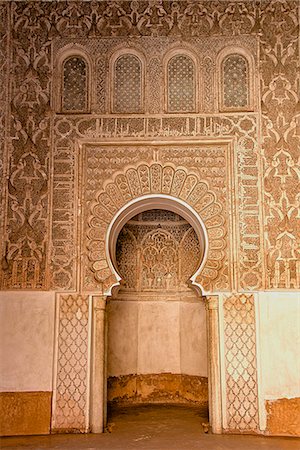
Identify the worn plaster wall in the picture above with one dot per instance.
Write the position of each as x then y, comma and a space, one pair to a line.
26, 361
155, 338
279, 336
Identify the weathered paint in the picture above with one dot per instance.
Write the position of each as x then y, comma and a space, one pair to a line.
158, 388
24, 413
283, 416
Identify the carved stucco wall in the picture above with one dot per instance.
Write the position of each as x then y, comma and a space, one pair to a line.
52, 165
35, 33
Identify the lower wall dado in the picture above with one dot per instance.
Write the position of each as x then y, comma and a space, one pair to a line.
283, 417
23, 413
158, 388
54, 380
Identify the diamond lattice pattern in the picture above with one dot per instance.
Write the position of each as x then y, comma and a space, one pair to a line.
75, 85
235, 80
240, 362
181, 84
72, 365
128, 85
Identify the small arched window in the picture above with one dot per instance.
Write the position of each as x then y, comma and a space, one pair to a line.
181, 85
235, 83
128, 85
75, 85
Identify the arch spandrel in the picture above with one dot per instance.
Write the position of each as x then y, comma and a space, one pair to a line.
176, 185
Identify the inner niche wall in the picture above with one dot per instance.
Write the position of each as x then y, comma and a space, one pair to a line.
156, 323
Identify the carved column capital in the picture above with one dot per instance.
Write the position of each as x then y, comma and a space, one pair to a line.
212, 302
99, 302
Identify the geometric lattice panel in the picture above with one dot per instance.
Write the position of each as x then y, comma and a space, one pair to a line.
71, 389
128, 84
235, 80
74, 85
240, 363
181, 84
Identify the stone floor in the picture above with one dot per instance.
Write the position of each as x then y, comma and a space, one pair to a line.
152, 428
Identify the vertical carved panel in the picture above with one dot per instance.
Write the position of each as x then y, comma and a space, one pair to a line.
208, 84
279, 76
240, 363
101, 84
70, 410
28, 213
4, 100
154, 91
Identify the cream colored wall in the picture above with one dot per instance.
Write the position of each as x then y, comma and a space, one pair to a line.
150, 337
279, 344
26, 335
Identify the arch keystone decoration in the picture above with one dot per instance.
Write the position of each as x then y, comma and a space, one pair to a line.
149, 186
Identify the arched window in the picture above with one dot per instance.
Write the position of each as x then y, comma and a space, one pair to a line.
75, 85
128, 85
235, 83
181, 86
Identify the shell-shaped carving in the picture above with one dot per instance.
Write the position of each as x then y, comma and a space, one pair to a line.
210, 211
189, 184
215, 233
97, 233
144, 176
113, 191
179, 177
205, 201
198, 191
215, 222
168, 174
214, 255
212, 264
102, 213
123, 186
134, 182
106, 201
102, 274
156, 179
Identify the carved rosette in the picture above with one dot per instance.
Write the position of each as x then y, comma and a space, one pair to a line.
156, 178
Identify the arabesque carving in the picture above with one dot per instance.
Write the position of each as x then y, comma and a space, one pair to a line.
156, 178
38, 25
41, 150
157, 251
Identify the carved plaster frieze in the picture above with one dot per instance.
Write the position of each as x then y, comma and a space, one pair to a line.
156, 178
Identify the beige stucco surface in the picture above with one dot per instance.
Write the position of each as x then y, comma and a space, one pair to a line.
149, 337
26, 335
279, 317
193, 338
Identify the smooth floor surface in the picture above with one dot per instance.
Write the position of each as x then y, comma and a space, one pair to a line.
152, 428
